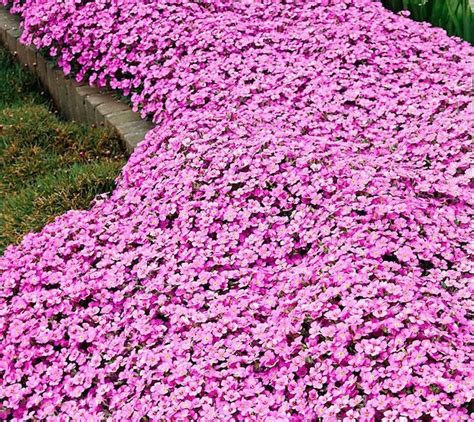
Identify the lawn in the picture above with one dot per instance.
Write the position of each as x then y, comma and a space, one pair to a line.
47, 165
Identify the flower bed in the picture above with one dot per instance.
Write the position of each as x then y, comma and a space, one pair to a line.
291, 241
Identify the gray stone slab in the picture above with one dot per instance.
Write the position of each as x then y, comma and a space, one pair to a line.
42, 69
121, 118
31, 58
131, 140
52, 83
92, 101
77, 101
12, 36
133, 127
21, 54
8, 21
85, 90
65, 105
106, 109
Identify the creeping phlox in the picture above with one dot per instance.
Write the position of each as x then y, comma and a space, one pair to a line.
290, 243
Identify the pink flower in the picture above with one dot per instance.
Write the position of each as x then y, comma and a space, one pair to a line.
405, 254
289, 242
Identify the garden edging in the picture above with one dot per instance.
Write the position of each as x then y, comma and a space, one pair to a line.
74, 100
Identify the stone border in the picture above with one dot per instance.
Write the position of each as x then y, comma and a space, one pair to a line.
75, 101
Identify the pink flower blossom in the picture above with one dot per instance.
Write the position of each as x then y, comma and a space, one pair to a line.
290, 243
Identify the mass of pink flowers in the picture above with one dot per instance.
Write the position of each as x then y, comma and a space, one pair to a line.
290, 243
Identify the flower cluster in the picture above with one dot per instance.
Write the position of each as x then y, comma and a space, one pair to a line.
290, 243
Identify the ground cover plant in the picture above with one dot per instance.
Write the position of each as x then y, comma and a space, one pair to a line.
291, 242
47, 166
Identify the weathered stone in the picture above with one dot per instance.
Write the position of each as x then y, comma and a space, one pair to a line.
21, 53
133, 127
85, 90
12, 40
121, 118
7, 21
67, 107
131, 140
52, 83
77, 101
31, 58
105, 109
41, 70
94, 100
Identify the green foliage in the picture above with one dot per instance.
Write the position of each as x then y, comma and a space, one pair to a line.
47, 166
17, 86
456, 16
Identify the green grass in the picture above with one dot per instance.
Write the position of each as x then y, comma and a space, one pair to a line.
47, 166
456, 16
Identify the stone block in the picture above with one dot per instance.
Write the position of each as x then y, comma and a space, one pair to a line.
122, 117
76, 101
52, 84
65, 105
92, 101
103, 110
85, 90
42, 70
31, 58
21, 53
8, 22
12, 36
134, 127
131, 140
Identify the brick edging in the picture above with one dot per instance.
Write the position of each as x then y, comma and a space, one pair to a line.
75, 101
